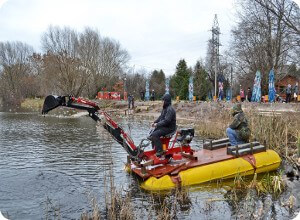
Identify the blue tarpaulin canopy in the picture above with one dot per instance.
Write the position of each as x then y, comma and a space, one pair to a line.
147, 95
256, 95
228, 95
271, 86
191, 88
167, 86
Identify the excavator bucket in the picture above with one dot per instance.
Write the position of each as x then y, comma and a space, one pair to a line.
52, 102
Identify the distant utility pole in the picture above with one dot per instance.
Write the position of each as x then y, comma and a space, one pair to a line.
215, 41
231, 70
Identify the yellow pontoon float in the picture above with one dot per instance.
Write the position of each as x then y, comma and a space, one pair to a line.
217, 160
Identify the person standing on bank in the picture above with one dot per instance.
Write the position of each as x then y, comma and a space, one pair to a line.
165, 124
142, 95
242, 94
238, 131
288, 93
152, 95
130, 97
296, 91
249, 94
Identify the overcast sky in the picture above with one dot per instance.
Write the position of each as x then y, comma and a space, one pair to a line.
156, 33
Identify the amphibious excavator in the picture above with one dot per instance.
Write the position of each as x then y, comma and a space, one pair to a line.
180, 165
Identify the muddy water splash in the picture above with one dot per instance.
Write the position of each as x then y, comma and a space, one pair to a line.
51, 166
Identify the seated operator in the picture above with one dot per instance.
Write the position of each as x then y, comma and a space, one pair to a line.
165, 124
238, 131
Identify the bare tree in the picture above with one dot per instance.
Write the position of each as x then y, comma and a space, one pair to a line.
261, 41
209, 63
289, 12
136, 82
89, 54
286, 10
16, 77
112, 64
62, 61
82, 63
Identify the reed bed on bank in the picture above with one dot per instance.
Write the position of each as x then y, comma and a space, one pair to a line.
119, 204
244, 194
213, 125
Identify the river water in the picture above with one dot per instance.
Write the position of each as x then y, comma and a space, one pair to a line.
51, 167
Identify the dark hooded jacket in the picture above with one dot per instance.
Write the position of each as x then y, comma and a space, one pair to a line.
167, 117
240, 123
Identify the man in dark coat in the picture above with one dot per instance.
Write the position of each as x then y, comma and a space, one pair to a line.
249, 94
142, 95
288, 93
130, 99
152, 95
165, 124
238, 131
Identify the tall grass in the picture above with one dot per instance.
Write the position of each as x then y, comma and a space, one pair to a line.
94, 215
167, 205
213, 124
118, 204
278, 132
269, 184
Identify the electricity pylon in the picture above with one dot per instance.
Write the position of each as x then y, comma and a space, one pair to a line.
215, 41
